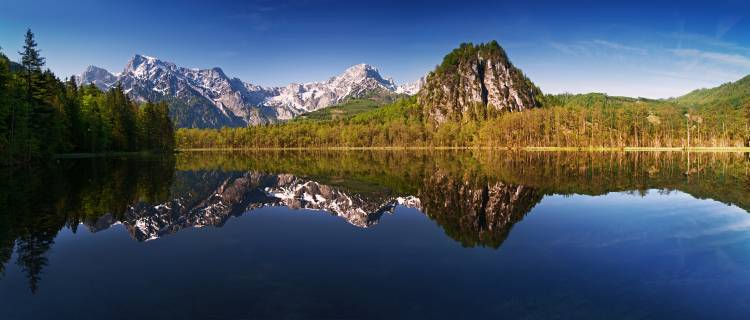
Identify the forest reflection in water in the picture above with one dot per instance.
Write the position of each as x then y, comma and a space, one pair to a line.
474, 196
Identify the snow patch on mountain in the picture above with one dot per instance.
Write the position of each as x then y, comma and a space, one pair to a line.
411, 88
355, 82
234, 102
99, 77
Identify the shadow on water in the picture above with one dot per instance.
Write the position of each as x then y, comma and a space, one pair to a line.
474, 196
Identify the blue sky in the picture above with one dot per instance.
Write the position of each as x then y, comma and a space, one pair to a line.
651, 48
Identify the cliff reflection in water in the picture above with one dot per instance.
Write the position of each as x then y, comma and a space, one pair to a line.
475, 196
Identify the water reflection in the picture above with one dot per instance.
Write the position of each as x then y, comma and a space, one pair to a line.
219, 195
37, 202
475, 197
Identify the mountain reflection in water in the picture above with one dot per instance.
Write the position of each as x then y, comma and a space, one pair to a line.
474, 196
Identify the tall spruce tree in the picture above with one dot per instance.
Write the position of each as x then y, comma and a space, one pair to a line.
73, 121
25, 116
42, 111
32, 63
5, 105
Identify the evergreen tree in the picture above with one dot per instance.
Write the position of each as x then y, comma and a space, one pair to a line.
149, 126
4, 104
157, 131
166, 127
122, 117
72, 111
35, 114
32, 63
49, 122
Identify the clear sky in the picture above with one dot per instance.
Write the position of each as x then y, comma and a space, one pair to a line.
649, 48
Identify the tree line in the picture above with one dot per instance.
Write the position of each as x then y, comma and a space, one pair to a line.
41, 115
589, 120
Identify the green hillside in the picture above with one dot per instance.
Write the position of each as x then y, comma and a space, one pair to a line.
341, 111
731, 94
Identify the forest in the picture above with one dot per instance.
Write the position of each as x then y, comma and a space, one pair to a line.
41, 116
566, 120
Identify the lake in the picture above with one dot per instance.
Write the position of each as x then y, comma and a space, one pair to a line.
378, 234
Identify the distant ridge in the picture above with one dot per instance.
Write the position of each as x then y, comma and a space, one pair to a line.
731, 94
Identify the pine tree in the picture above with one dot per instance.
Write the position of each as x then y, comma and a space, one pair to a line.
53, 130
35, 114
32, 63
166, 127
148, 120
122, 117
73, 114
4, 105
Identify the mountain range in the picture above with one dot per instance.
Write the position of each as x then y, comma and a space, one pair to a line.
473, 82
208, 98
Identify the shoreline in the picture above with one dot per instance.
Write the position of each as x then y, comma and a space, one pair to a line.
541, 149
525, 149
78, 155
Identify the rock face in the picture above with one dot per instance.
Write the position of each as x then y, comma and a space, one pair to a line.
476, 82
208, 98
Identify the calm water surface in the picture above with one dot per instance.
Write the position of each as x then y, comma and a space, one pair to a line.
350, 235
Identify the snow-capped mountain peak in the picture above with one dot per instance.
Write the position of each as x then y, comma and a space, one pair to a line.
101, 78
143, 67
355, 82
215, 100
411, 88
360, 73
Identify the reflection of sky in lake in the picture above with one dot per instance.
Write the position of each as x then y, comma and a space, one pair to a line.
617, 255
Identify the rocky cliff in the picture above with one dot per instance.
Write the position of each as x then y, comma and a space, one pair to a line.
476, 82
